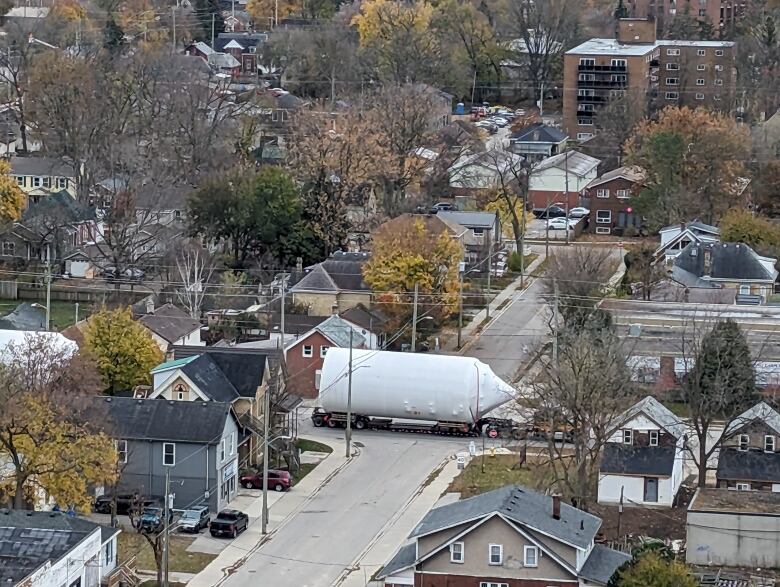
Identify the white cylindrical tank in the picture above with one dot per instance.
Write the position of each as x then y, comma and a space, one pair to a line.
413, 386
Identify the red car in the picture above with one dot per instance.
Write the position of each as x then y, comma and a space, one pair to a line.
277, 480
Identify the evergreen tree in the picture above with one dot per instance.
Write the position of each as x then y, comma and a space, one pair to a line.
621, 11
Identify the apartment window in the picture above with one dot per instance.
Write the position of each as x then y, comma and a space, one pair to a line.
672, 51
9, 248
584, 136
628, 437
618, 63
602, 193
21, 180
617, 77
654, 438
672, 95
495, 554
769, 443
62, 183
323, 351
489, 584
718, 52
718, 82
603, 216
307, 350
586, 93
701, 52
121, 450
701, 68
700, 82
456, 552
700, 96
530, 556
169, 454
718, 68
672, 67
36, 182
585, 107
623, 193
744, 441
222, 450
586, 77
585, 121
603, 230
672, 81
702, 12
590, 62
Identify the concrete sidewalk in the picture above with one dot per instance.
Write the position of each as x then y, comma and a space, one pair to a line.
281, 508
469, 330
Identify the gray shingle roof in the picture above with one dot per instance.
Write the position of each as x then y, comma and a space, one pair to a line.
653, 409
538, 133
41, 166
761, 411
521, 505
246, 40
623, 459
170, 323
60, 205
602, 564
340, 272
470, 219
338, 331
243, 368
727, 261
748, 465
403, 559
23, 317
578, 163
370, 319
695, 225
210, 379
162, 420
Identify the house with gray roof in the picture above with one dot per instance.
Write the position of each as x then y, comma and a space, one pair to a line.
509, 536
169, 326
333, 286
749, 457
537, 141
53, 548
642, 462
561, 178
676, 237
197, 442
41, 176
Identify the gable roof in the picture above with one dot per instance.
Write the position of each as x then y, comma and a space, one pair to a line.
576, 163
368, 318
538, 132
23, 317
470, 219
338, 331
494, 159
761, 411
41, 166
602, 564
242, 40
203, 48
621, 459
403, 559
657, 412
693, 225
633, 174
340, 272
170, 323
727, 261
518, 504
244, 368
60, 205
204, 372
161, 420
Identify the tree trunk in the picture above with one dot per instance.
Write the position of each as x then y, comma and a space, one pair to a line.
158, 556
22, 119
19, 492
702, 464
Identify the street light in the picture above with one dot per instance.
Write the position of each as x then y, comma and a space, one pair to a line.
414, 330
46, 309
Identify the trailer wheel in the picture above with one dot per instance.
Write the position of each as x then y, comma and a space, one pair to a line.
332, 423
492, 433
318, 421
360, 424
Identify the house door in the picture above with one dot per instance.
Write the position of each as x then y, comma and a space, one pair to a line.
651, 489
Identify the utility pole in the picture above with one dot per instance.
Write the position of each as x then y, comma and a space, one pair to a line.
213, 16
555, 324
276, 13
284, 284
414, 319
166, 527
566, 187
522, 232
460, 301
490, 272
473, 86
547, 228
77, 313
620, 513
541, 99
348, 435
48, 292
266, 440
173, 25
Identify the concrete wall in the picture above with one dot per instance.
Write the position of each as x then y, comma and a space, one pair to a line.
634, 490
733, 540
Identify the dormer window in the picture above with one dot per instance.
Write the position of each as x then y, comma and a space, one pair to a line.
628, 437
744, 441
654, 438
769, 443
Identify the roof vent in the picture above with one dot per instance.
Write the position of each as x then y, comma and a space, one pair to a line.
634, 330
582, 524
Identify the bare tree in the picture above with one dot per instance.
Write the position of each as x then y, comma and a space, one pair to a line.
195, 269
643, 267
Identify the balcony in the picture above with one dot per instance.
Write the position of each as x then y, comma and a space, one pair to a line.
584, 113
592, 99
601, 83
603, 68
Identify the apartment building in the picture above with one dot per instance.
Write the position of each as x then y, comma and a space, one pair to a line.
666, 72
719, 13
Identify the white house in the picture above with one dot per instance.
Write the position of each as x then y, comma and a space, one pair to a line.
485, 170
170, 326
51, 549
562, 178
642, 463
676, 237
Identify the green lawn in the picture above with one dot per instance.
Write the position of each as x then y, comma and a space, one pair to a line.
133, 544
305, 445
500, 470
63, 314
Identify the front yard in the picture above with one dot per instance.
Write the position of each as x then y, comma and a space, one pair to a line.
134, 544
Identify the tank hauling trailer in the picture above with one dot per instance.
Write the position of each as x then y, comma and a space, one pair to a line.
412, 392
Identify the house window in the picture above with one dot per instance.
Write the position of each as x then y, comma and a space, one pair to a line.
9, 248
169, 454
590, 62
584, 136
701, 52
36, 182
744, 441
654, 438
718, 52
672, 67
744, 288
628, 436
62, 183
456, 552
602, 193
495, 554
222, 450
530, 556
716, 97
603, 230
769, 443
317, 377
672, 51
21, 180
701, 68
743, 486
623, 193
47, 182
121, 450
109, 552
672, 95
308, 350
323, 351
700, 96
700, 82
672, 81
603, 216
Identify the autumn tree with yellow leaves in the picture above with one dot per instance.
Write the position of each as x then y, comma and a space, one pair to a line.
47, 444
12, 198
694, 162
123, 349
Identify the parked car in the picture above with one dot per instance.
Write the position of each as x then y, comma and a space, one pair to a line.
229, 523
193, 520
578, 212
499, 121
550, 212
153, 519
488, 126
442, 206
277, 480
560, 224
135, 273
124, 503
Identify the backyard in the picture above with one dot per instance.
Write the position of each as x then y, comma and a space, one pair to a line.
63, 314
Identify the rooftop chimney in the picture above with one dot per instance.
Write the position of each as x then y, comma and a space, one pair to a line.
556, 506
150, 305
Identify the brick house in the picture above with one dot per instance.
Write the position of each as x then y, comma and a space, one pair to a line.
611, 211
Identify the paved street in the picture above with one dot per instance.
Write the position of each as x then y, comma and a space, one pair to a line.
340, 521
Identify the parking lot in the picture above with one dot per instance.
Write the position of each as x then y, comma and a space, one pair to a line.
537, 230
